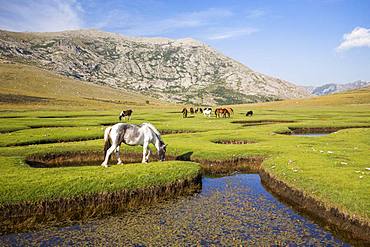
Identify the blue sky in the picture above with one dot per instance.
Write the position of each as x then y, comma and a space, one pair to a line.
307, 42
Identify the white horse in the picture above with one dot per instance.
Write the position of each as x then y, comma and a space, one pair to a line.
207, 111
132, 135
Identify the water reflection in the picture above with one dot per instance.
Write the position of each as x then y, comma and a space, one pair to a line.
230, 210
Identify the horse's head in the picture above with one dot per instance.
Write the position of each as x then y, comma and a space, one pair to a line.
162, 152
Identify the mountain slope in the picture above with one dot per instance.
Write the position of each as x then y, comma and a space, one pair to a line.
335, 88
25, 85
175, 70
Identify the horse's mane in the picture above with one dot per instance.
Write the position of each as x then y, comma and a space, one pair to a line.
154, 130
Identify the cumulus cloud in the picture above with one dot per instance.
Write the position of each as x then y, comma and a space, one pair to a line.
359, 37
40, 15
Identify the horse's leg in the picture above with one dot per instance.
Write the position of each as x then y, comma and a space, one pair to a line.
145, 147
109, 153
118, 156
149, 153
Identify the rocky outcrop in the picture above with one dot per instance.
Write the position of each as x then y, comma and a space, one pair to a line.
183, 70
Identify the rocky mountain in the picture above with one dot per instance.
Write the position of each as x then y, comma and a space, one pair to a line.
335, 88
183, 70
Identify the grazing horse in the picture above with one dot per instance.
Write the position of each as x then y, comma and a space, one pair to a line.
225, 113
132, 135
249, 113
230, 110
191, 110
184, 113
222, 112
125, 113
207, 111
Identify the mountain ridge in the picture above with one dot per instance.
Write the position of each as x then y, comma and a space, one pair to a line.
182, 71
331, 88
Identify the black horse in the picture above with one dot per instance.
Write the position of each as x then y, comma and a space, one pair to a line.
249, 114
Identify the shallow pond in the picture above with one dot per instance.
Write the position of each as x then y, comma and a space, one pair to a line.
230, 210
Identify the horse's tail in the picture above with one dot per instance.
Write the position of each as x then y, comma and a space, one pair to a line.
107, 143
151, 126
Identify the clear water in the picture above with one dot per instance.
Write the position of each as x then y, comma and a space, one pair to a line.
229, 211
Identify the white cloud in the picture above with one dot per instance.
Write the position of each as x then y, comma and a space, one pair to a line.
232, 33
139, 25
359, 37
40, 15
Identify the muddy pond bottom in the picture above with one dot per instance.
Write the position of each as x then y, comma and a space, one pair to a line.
229, 210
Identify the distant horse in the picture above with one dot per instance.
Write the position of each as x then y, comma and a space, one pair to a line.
132, 135
191, 110
222, 112
217, 110
184, 113
230, 110
249, 113
125, 113
225, 112
207, 111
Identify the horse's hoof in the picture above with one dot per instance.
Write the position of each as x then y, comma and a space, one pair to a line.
104, 165
119, 163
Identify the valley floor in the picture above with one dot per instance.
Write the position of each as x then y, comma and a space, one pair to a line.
333, 170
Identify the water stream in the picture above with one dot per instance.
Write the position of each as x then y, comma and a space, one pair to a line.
229, 210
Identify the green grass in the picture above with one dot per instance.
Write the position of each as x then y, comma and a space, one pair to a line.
330, 168
20, 183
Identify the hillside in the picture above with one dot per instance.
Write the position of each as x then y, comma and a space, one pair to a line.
32, 86
182, 70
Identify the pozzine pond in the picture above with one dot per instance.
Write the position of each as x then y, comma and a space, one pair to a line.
229, 210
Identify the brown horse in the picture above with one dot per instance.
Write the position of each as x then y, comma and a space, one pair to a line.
222, 112
231, 111
184, 113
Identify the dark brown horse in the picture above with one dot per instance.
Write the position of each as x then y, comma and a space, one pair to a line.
249, 114
184, 113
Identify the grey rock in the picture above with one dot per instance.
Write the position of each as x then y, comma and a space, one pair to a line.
183, 70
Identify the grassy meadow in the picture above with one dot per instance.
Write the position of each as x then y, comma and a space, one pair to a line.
54, 115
